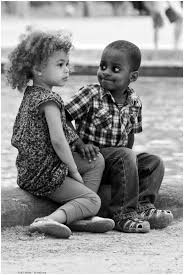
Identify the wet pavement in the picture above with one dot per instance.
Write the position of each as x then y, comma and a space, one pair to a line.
162, 123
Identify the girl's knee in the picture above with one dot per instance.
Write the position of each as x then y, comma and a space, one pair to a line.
96, 201
100, 162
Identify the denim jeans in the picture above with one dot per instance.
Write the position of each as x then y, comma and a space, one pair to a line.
134, 179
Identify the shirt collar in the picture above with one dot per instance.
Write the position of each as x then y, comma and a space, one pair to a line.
129, 91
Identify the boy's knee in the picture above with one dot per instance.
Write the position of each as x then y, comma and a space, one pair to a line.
159, 162
128, 156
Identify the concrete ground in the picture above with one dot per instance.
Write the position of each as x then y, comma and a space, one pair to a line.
157, 252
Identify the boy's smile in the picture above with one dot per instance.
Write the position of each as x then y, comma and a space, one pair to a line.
114, 71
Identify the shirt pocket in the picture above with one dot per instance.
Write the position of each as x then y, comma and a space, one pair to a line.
102, 119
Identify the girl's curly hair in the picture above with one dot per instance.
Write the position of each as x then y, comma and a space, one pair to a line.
34, 49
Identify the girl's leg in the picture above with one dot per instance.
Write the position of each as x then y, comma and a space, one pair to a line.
78, 202
91, 171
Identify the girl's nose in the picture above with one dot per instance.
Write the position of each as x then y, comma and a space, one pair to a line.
67, 69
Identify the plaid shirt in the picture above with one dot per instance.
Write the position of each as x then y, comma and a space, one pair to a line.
100, 121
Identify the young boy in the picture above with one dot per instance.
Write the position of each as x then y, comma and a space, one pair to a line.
107, 115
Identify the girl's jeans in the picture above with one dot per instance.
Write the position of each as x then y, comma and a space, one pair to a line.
135, 180
79, 200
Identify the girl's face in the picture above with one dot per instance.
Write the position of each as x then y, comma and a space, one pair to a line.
56, 71
114, 71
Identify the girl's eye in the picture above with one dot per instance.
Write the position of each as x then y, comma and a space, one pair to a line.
60, 64
116, 69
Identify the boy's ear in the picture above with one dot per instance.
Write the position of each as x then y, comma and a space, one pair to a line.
133, 76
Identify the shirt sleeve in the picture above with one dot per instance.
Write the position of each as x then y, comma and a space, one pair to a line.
136, 117
79, 104
44, 98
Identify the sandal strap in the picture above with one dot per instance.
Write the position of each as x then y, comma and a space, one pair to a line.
133, 225
123, 216
43, 219
153, 212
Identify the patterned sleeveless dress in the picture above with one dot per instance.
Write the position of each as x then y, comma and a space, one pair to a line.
40, 171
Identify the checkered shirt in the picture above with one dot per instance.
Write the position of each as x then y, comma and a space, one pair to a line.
98, 119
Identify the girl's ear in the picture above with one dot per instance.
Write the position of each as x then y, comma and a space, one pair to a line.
37, 71
133, 76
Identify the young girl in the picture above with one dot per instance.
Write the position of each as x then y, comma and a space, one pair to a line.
45, 163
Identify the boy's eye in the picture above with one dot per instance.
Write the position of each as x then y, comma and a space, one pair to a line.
116, 69
103, 67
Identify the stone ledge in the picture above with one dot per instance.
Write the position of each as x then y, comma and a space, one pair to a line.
150, 70
20, 208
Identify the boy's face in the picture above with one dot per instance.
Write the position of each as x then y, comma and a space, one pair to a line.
114, 71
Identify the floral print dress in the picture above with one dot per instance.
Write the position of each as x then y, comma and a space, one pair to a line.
40, 171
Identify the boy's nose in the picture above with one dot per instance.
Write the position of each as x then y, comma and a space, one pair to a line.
106, 72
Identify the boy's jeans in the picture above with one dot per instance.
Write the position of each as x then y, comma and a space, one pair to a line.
135, 180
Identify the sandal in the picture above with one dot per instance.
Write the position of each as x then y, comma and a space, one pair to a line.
157, 218
133, 225
50, 227
94, 225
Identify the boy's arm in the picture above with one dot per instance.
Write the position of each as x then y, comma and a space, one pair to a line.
130, 140
86, 150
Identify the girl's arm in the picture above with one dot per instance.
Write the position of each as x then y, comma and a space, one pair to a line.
58, 139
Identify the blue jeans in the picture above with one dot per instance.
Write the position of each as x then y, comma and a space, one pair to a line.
134, 179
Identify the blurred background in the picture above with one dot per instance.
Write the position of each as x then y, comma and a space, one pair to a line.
94, 24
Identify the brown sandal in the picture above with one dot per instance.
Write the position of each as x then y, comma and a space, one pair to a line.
157, 218
133, 225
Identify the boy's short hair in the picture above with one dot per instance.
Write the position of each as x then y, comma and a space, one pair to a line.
132, 51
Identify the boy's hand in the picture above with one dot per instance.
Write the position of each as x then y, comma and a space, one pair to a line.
91, 151
88, 151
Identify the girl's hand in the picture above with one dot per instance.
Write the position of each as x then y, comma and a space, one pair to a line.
76, 176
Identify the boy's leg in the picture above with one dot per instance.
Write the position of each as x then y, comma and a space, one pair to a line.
122, 174
151, 172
